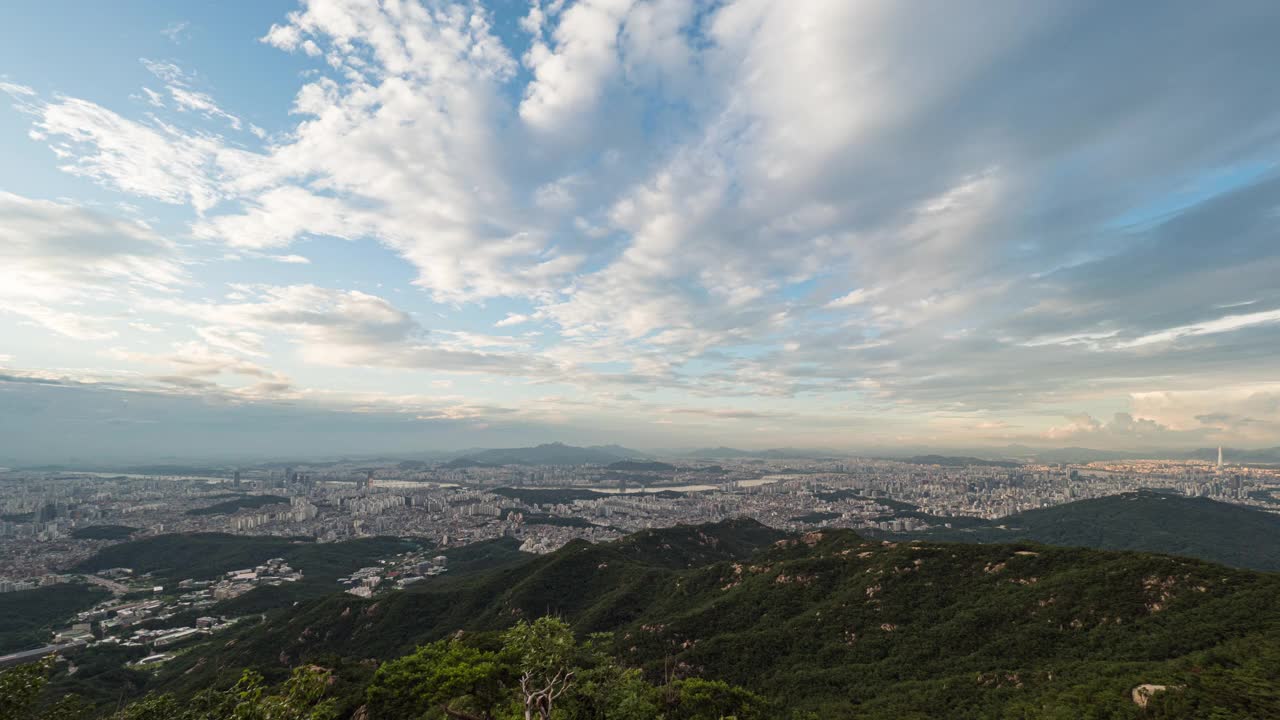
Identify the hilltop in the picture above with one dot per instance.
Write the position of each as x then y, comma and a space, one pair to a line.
26, 616
1149, 521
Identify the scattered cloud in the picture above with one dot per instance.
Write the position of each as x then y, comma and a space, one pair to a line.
914, 229
513, 319
184, 98
1223, 324
290, 259
54, 250
855, 297
55, 258
177, 32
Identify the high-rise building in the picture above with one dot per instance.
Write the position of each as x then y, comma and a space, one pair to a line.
1219, 456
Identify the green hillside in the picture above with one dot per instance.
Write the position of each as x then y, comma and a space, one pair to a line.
837, 626
1219, 532
103, 532
200, 556
27, 616
242, 502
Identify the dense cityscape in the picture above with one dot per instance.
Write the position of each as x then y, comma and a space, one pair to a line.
52, 520
451, 504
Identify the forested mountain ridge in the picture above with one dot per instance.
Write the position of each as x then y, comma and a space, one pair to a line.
833, 624
1148, 521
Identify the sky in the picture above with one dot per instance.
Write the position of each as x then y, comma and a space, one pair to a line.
345, 226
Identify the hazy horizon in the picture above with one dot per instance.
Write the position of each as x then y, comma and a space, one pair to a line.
366, 449
319, 228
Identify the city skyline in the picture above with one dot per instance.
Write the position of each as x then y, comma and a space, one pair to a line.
332, 228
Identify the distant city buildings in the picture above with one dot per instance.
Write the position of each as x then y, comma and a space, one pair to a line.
42, 514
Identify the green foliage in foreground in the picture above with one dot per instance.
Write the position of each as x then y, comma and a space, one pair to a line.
539, 671
304, 696
27, 616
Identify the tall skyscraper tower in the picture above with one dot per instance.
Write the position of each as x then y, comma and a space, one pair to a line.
1220, 456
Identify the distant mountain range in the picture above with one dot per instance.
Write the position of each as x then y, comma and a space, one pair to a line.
465, 462
642, 466
558, 453
770, 454
549, 454
950, 461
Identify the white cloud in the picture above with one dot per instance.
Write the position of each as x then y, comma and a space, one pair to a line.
1123, 430
153, 97
290, 259
75, 325
513, 319
279, 216
241, 341
655, 48
52, 251
349, 328
62, 265
855, 297
569, 74
177, 32
205, 370
1230, 413
160, 161
178, 83
1225, 324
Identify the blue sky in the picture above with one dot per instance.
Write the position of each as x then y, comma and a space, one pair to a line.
333, 227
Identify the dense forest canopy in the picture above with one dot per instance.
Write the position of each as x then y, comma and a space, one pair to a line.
739, 620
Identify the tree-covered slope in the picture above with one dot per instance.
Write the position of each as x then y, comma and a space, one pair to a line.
27, 616
832, 624
103, 532
240, 503
199, 556
1219, 532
